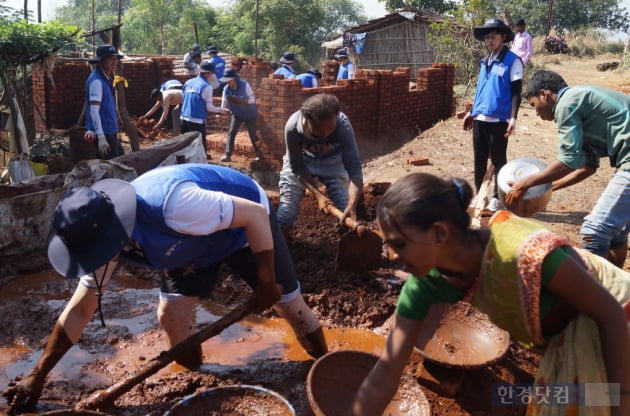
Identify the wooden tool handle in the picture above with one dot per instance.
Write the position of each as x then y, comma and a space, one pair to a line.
105, 398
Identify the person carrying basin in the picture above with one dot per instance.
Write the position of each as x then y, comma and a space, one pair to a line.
528, 280
593, 122
186, 220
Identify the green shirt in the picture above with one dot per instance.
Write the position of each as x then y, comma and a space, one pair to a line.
418, 294
593, 122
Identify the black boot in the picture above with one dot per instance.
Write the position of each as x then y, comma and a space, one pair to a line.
314, 343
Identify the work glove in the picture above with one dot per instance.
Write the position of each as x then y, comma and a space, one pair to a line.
90, 136
103, 146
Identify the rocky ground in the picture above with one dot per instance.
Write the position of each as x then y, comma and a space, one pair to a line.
33, 296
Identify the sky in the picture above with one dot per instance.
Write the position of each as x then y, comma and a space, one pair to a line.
373, 9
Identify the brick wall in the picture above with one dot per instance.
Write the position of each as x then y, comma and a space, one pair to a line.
379, 103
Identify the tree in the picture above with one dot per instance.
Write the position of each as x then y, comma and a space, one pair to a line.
438, 6
571, 15
22, 45
453, 40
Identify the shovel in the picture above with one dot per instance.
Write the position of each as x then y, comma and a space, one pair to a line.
359, 249
105, 398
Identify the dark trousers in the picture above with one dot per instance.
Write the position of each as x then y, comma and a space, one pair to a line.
489, 141
235, 124
201, 128
115, 148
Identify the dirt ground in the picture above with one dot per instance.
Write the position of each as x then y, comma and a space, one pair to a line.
32, 296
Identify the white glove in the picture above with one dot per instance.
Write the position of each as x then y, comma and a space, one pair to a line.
103, 146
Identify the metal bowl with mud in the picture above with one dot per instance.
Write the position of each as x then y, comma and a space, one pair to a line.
334, 379
241, 400
460, 336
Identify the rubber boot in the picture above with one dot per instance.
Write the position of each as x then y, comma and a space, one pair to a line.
22, 396
305, 325
191, 359
314, 343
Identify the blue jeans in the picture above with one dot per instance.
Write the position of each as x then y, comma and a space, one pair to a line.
608, 224
330, 171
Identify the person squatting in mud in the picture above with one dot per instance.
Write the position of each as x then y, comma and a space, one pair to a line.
593, 122
320, 144
185, 220
528, 280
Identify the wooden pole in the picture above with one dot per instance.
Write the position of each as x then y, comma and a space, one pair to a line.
256, 32
549, 16
105, 398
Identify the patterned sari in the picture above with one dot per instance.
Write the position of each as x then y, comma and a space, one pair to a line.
509, 290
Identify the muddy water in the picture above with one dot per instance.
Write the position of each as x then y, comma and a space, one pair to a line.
129, 309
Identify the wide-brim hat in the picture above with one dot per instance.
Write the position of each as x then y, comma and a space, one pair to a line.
104, 51
206, 66
91, 226
341, 53
287, 58
228, 75
493, 25
315, 72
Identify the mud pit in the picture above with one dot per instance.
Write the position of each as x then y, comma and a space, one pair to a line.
354, 308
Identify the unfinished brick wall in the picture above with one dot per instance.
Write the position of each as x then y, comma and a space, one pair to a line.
379, 103
59, 106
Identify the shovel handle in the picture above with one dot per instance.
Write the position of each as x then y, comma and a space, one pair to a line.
331, 209
105, 398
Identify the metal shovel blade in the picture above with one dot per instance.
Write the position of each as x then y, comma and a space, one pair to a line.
359, 253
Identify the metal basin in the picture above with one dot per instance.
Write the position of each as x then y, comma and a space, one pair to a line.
536, 198
240, 400
459, 336
335, 378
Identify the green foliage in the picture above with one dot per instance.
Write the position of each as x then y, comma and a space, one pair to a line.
453, 41
438, 6
570, 15
23, 43
79, 13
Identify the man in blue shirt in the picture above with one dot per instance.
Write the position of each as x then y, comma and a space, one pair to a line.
238, 97
186, 221
101, 116
197, 101
219, 68
497, 100
286, 69
310, 78
346, 68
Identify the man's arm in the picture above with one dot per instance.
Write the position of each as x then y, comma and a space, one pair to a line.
206, 94
554, 171
165, 109
152, 110
574, 177
254, 218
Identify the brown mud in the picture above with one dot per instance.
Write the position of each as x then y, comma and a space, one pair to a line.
354, 308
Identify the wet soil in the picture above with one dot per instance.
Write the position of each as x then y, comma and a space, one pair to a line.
32, 296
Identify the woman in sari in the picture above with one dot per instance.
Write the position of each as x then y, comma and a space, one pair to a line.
528, 280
